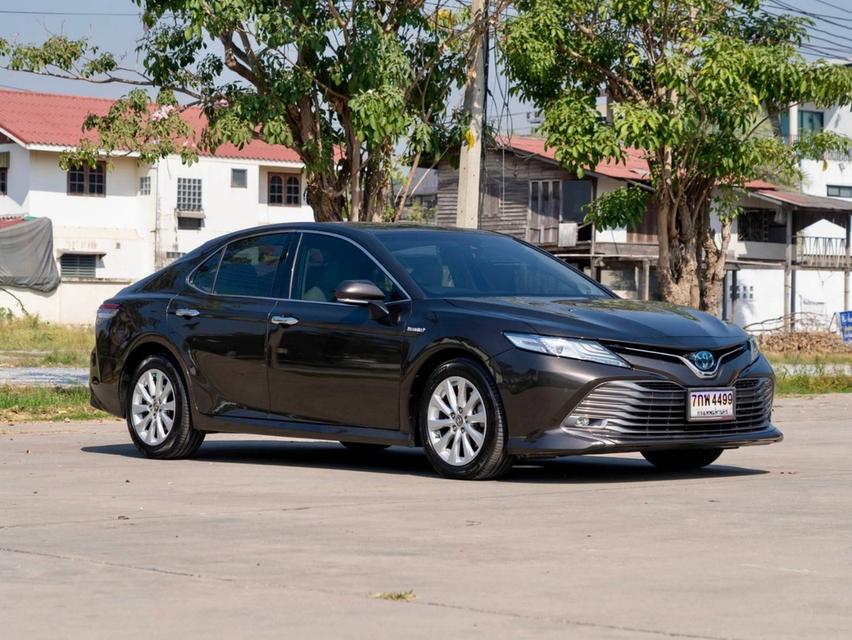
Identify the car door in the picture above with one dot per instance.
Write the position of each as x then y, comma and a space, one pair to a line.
330, 362
221, 319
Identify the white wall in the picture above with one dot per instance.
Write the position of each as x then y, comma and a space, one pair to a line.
764, 295
816, 176
820, 293
18, 180
71, 303
226, 209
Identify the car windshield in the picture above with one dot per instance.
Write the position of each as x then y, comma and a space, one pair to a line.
450, 264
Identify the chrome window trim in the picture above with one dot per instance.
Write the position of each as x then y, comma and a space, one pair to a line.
405, 293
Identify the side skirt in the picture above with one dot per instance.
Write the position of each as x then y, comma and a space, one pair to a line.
311, 430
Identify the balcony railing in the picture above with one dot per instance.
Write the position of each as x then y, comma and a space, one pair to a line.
814, 251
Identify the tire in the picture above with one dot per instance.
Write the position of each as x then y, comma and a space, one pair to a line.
364, 447
482, 456
155, 437
682, 459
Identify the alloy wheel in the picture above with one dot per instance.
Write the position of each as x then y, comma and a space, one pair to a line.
153, 410
456, 421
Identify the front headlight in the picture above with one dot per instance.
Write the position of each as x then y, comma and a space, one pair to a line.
753, 348
566, 348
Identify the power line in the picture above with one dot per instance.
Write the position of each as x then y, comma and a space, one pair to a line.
833, 6
70, 13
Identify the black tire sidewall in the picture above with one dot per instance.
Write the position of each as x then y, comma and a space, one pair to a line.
495, 435
181, 421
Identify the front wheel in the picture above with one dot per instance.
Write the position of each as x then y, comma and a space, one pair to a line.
682, 459
462, 424
158, 411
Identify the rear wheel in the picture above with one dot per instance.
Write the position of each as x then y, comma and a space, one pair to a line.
682, 459
364, 447
157, 411
462, 424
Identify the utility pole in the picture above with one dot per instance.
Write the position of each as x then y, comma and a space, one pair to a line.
470, 159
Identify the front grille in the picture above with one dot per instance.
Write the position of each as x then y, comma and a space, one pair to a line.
658, 408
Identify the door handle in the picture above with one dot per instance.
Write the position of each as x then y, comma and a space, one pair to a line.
187, 313
287, 321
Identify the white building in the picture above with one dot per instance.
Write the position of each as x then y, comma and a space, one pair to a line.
814, 282
114, 226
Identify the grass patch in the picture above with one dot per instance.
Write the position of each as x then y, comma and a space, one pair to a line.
395, 596
804, 384
30, 342
815, 359
46, 404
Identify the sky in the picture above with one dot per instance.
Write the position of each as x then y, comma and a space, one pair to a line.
34, 20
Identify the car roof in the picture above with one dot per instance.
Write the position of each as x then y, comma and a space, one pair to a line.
354, 229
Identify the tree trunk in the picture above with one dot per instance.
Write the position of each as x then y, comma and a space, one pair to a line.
676, 272
325, 199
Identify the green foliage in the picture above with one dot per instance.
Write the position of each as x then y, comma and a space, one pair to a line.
691, 83
695, 80
343, 83
624, 207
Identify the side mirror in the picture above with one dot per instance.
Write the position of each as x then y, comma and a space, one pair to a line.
358, 292
363, 292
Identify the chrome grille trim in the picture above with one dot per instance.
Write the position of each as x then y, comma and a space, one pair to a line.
653, 408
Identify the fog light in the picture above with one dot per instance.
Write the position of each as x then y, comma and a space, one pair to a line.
582, 421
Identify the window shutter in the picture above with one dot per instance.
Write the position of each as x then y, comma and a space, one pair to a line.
5, 157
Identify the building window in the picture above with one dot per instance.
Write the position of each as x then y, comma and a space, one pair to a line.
284, 190
77, 265
189, 194
839, 191
145, 186
190, 224
811, 121
84, 180
239, 178
756, 225
4, 181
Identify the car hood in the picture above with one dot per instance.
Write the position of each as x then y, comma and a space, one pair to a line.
626, 321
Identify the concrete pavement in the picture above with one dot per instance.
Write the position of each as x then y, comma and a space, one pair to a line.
278, 538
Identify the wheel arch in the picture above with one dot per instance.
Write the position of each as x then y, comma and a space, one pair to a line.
423, 367
145, 347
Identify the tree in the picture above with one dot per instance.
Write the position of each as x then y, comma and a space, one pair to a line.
342, 82
692, 84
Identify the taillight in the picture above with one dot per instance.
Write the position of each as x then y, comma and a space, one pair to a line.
108, 310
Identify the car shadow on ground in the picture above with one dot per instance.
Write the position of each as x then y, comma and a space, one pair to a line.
405, 461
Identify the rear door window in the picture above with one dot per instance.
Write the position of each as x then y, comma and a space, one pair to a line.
205, 275
249, 266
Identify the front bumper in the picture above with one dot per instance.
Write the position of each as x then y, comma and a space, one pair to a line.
556, 406
561, 442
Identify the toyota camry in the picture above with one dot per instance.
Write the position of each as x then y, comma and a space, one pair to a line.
475, 346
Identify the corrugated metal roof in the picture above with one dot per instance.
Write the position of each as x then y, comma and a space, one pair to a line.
802, 200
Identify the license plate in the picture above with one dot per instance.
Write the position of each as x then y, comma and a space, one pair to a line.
711, 404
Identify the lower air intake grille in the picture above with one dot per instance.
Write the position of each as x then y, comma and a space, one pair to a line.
656, 408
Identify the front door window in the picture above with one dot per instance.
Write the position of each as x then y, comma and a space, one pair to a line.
326, 261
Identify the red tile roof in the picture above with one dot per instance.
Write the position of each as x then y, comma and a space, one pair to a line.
56, 120
634, 167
